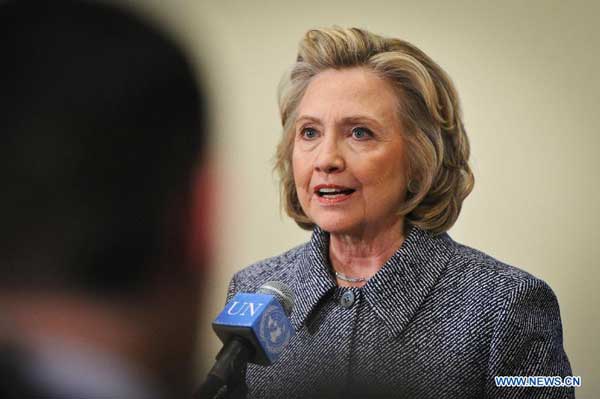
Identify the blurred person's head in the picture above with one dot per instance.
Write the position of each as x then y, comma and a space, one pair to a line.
101, 137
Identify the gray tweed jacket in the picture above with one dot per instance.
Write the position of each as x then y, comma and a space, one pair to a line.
439, 320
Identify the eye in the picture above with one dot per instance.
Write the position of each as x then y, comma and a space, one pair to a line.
361, 133
309, 133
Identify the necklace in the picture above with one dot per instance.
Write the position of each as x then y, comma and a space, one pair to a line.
350, 279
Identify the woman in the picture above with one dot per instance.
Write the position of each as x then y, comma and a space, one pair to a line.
374, 160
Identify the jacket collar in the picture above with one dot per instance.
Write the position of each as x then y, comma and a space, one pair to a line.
394, 293
313, 277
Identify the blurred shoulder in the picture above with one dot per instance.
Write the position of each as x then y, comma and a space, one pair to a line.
277, 268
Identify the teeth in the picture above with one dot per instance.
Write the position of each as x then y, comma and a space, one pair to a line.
329, 190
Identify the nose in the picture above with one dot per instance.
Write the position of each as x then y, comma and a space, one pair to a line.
330, 159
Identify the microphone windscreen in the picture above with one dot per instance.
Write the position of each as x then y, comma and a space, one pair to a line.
281, 292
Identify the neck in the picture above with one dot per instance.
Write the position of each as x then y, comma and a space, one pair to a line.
363, 254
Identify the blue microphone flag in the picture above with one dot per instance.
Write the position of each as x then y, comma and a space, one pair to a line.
260, 319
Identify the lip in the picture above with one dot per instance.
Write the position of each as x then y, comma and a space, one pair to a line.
336, 186
331, 201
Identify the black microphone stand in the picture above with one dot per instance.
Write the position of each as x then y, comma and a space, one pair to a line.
227, 370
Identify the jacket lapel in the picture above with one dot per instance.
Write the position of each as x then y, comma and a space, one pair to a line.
313, 278
396, 292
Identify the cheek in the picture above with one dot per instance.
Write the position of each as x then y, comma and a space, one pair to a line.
385, 176
301, 173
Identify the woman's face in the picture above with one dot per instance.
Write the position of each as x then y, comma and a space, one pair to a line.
349, 152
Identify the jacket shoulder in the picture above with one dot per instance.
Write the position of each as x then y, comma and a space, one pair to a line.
492, 286
475, 265
277, 268
522, 315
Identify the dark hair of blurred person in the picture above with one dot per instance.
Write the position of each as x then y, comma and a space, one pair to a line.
101, 130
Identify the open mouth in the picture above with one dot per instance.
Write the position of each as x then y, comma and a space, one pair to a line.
333, 192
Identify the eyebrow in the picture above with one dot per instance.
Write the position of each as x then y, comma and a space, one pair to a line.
344, 121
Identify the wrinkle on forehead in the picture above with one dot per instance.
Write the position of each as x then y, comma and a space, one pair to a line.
334, 95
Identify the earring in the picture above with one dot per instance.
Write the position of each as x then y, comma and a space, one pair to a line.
412, 186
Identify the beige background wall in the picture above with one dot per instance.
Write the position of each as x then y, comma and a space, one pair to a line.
526, 73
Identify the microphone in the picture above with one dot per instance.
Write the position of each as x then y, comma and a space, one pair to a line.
254, 328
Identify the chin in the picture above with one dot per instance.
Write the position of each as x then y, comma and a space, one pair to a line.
336, 225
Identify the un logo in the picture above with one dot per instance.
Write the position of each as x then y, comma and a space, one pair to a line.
274, 331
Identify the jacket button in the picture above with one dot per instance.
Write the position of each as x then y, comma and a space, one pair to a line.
347, 299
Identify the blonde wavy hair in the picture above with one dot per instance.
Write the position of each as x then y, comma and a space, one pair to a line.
440, 177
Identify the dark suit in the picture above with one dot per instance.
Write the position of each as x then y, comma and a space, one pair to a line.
439, 320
